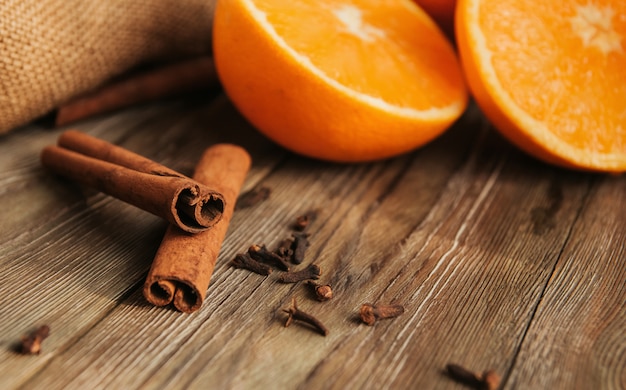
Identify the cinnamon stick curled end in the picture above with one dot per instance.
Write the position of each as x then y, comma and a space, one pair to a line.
183, 294
196, 210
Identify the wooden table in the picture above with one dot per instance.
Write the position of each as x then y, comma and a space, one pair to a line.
500, 261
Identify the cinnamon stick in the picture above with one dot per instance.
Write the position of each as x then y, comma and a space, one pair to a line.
165, 81
183, 265
136, 180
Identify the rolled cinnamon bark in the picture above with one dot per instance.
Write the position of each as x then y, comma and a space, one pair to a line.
136, 180
168, 80
183, 265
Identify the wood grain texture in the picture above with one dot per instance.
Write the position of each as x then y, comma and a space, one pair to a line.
577, 337
500, 262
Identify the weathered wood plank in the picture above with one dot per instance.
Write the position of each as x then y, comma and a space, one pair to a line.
470, 276
466, 233
577, 339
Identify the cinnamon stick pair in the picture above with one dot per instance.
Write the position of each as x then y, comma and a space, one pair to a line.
136, 180
204, 205
184, 263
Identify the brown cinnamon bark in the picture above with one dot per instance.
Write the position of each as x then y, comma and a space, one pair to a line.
135, 179
183, 265
166, 81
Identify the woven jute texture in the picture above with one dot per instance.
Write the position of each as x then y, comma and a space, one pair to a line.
52, 50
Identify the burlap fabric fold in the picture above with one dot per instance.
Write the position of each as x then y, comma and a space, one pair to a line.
52, 50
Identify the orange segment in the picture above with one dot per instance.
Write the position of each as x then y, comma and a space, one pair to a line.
551, 76
339, 80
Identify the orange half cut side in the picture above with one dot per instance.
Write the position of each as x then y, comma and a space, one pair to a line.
551, 76
339, 80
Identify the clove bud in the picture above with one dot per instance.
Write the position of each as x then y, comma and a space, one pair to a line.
262, 254
304, 221
31, 344
299, 315
312, 271
244, 261
322, 292
370, 313
299, 246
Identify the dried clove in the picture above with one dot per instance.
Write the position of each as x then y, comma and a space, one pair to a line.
491, 379
488, 380
304, 221
300, 243
284, 249
299, 315
323, 292
31, 344
312, 271
244, 261
370, 313
252, 197
261, 254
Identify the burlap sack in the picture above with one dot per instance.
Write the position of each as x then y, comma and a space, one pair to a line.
52, 50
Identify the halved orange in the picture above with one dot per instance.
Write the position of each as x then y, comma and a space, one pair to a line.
349, 80
551, 76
